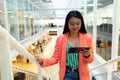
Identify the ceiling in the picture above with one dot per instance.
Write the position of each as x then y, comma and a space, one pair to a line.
59, 8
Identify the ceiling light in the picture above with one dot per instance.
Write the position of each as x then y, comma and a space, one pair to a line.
0, 10
47, 1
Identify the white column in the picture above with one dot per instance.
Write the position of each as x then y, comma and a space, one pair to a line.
94, 24
5, 60
115, 28
39, 73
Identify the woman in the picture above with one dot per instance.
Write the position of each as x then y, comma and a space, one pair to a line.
73, 66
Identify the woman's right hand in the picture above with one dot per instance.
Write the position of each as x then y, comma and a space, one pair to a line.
39, 60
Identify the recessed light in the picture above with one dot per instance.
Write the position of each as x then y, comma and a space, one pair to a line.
46, 0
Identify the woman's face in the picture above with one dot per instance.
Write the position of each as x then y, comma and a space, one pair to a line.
74, 25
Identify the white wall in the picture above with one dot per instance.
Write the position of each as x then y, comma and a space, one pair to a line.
54, 21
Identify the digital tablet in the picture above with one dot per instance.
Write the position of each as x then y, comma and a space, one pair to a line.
77, 49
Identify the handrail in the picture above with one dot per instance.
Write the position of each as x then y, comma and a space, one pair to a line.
109, 68
32, 39
105, 63
15, 45
18, 47
102, 73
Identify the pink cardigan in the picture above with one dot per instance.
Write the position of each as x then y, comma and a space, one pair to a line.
60, 56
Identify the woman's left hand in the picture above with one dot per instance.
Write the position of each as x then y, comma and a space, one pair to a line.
85, 52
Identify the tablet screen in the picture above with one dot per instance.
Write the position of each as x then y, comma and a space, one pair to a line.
77, 49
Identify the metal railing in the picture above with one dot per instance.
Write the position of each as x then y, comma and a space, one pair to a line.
6, 43
106, 70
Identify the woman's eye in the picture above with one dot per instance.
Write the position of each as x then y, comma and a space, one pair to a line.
75, 23
72, 23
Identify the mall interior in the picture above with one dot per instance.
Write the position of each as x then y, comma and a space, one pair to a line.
29, 28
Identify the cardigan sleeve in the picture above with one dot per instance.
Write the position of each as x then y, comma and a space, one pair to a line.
90, 43
55, 57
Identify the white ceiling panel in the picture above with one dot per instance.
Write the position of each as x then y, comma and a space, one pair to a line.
59, 4
61, 13
59, 8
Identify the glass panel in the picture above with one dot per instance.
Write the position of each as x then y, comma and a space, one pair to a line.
31, 20
12, 18
90, 1
36, 21
27, 19
103, 3
89, 9
104, 31
89, 17
21, 19
2, 16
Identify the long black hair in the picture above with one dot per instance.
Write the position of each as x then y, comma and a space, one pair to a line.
76, 14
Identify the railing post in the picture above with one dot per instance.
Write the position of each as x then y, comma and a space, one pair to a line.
115, 32
109, 72
95, 24
5, 59
39, 73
